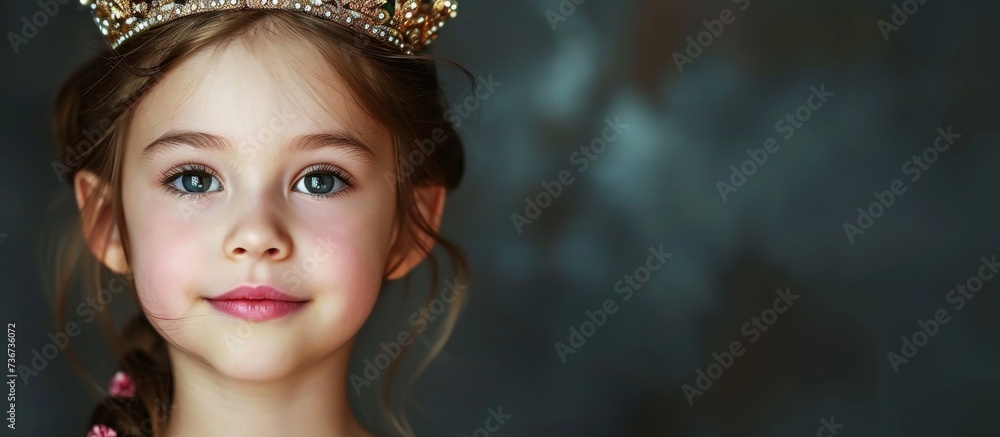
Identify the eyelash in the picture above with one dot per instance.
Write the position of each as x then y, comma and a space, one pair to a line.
337, 172
168, 177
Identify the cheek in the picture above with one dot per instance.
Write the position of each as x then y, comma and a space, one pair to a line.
346, 284
342, 263
167, 255
347, 254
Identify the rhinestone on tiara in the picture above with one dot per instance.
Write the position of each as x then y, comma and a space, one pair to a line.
409, 25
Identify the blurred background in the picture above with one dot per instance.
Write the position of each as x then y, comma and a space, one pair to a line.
740, 137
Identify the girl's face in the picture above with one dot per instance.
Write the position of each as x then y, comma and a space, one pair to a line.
216, 196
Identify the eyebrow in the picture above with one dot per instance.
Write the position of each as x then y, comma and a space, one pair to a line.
205, 141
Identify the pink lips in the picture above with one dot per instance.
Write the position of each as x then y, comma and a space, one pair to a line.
258, 303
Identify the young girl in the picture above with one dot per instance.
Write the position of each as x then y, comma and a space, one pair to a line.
260, 168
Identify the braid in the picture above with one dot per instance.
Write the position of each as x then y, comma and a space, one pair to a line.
144, 409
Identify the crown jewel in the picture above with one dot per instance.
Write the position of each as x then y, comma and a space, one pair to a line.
409, 25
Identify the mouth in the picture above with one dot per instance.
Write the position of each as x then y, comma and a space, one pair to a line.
258, 303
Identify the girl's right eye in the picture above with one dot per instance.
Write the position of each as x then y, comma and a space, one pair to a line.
195, 182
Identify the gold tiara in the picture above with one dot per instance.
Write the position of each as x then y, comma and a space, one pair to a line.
409, 25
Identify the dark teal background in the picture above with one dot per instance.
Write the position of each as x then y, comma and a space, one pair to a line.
656, 184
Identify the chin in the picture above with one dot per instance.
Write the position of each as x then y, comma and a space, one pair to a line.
253, 359
267, 353
237, 349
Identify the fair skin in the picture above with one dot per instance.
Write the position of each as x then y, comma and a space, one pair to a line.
259, 221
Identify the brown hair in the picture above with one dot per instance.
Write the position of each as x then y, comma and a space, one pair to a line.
95, 106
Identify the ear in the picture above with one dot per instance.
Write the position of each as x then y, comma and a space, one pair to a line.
99, 226
430, 202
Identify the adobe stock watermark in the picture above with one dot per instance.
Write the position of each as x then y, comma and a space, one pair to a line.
758, 157
29, 28
915, 167
456, 115
565, 9
420, 320
828, 427
292, 280
246, 151
899, 16
162, 414
235, 340
713, 29
492, 423
959, 296
248, 148
582, 157
11, 377
461, 111
88, 310
75, 154
294, 277
624, 287
752, 330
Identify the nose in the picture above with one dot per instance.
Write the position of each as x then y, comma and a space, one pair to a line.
258, 235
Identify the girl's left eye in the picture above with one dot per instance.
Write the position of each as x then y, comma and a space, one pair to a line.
322, 183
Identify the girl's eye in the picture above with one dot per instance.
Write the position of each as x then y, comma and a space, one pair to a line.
320, 183
196, 182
